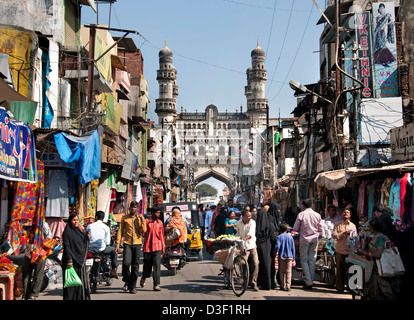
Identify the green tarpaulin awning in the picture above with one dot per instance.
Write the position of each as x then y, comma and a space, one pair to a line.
23, 108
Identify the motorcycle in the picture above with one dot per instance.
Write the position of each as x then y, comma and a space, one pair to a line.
53, 267
174, 258
98, 267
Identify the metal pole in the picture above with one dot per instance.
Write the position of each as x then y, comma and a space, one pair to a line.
91, 67
356, 111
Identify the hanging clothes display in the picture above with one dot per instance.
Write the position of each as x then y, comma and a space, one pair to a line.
403, 191
406, 214
28, 214
361, 199
56, 225
57, 204
143, 203
385, 191
394, 201
104, 196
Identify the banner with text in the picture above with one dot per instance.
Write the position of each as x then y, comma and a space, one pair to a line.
17, 150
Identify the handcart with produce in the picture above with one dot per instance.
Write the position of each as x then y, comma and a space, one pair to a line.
230, 252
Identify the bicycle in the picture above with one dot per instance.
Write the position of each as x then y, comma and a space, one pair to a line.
238, 275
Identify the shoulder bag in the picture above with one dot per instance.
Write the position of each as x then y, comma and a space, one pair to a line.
390, 263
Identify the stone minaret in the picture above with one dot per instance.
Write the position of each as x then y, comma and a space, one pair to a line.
166, 104
255, 89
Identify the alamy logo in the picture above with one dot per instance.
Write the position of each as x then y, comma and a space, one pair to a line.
221, 147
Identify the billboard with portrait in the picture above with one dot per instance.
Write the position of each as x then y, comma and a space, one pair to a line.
385, 49
17, 150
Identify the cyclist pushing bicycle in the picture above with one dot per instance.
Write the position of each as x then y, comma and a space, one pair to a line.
246, 230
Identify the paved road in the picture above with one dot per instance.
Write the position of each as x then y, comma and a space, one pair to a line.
199, 280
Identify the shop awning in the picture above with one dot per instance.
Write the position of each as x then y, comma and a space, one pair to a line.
337, 179
23, 108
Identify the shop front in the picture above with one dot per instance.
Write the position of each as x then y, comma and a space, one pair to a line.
389, 185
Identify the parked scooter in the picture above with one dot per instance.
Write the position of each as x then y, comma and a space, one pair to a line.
174, 258
98, 267
53, 264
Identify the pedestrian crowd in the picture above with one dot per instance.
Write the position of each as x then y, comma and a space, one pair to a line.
270, 246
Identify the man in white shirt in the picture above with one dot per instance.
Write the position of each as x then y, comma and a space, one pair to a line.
329, 222
100, 240
246, 230
207, 224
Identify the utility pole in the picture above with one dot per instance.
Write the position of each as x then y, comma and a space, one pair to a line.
339, 111
91, 66
355, 60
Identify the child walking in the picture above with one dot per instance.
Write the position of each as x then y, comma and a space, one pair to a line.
285, 248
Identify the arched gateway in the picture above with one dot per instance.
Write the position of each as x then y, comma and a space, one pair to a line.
212, 143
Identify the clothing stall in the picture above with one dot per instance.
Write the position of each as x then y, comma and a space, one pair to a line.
391, 186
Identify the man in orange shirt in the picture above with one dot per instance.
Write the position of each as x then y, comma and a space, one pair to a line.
342, 231
154, 244
131, 228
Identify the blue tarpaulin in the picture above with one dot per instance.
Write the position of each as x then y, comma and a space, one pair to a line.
84, 152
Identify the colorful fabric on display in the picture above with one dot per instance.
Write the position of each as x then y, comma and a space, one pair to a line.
394, 201
403, 191
361, 199
28, 213
143, 202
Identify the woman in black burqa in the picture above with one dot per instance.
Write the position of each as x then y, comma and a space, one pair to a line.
275, 218
75, 250
265, 231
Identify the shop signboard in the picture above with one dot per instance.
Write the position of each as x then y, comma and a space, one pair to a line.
363, 29
21, 47
402, 143
17, 150
104, 63
385, 49
112, 111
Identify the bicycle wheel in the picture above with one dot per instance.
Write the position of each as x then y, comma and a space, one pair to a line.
239, 275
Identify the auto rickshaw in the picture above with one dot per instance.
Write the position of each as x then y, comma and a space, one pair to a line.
189, 212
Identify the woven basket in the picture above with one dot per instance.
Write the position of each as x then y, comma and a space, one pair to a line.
222, 255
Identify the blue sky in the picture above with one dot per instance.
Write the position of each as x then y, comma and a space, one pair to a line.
212, 40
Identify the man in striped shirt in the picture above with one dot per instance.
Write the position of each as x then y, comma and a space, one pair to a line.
154, 243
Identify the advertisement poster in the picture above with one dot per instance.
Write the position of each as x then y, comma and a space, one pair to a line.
17, 150
112, 111
385, 49
21, 47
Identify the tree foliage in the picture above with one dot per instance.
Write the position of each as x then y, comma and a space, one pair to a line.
206, 190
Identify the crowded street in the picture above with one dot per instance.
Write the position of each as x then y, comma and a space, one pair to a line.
207, 158
200, 280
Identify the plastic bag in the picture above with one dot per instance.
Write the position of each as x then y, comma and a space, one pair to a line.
390, 263
71, 278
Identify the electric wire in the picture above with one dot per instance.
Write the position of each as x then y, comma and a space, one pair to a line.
282, 47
